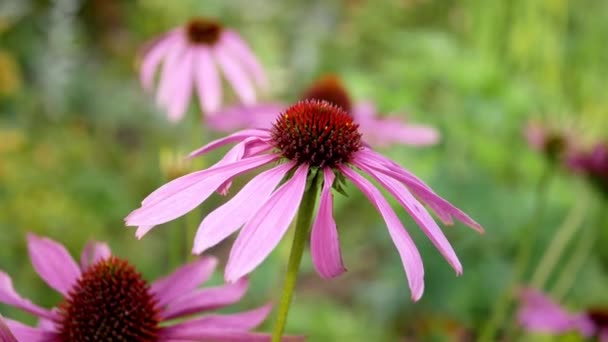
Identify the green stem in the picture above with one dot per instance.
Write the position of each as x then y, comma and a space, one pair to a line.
576, 261
558, 244
524, 252
301, 233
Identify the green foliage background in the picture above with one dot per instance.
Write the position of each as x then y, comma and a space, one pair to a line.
80, 145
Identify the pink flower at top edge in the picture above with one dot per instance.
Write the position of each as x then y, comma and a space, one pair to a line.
538, 313
310, 137
101, 288
192, 57
377, 131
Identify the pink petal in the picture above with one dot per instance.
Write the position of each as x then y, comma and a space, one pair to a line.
185, 193
260, 116
9, 296
241, 321
153, 57
53, 263
94, 252
392, 130
235, 137
235, 75
540, 313
206, 299
177, 103
265, 229
225, 220
234, 154
412, 262
5, 333
167, 84
419, 188
208, 82
239, 48
324, 243
363, 111
419, 214
184, 280
26, 333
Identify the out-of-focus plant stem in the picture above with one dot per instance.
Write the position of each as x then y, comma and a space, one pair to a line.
301, 233
524, 252
560, 240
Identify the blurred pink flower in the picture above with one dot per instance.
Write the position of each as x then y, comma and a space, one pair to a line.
310, 138
377, 131
540, 314
192, 56
106, 297
551, 142
593, 164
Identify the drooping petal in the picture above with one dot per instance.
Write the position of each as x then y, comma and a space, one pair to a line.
417, 186
240, 49
94, 252
153, 57
260, 115
540, 313
324, 243
26, 333
241, 321
390, 130
412, 262
226, 219
208, 81
185, 193
265, 229
235, 137
235, 75
206, 299
184, 280
53, 263
172, 62
5, 333
181, 89
9, 296
418, 213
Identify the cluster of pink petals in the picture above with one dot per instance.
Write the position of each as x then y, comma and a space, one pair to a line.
189, 67
177, 294
377, 131
540, 314
264, 207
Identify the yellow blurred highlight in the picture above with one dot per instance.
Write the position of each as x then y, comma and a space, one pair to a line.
10, 75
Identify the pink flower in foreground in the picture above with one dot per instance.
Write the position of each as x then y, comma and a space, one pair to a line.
375, 130
192, 57
539, 313
310, 138
107, 298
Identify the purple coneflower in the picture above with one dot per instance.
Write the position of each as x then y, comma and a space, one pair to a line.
377, 131
105, 298
191, 55
551, 142
312, 142
593, 164
539, 313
